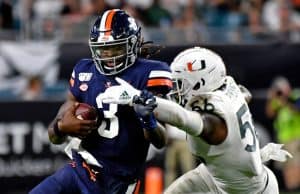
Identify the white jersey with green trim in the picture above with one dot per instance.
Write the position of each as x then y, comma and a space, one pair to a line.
235, 164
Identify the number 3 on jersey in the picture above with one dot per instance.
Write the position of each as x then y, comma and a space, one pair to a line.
245, 125
109, 127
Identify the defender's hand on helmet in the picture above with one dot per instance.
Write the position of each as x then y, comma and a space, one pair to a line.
120, 94
143, 106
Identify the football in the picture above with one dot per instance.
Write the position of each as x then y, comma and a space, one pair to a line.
86, 112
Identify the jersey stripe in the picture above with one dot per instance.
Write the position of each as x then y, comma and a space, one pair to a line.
108, 22
165, 74
160, 82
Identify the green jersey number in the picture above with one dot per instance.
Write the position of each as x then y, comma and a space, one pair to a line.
246, 125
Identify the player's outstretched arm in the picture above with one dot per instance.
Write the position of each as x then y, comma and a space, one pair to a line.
174, 114
65, 123
208, 126
167, 112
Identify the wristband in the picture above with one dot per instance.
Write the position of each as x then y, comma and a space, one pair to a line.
56, 129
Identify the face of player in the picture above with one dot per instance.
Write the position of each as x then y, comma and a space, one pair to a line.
111, 55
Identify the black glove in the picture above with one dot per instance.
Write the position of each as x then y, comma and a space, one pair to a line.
144, 106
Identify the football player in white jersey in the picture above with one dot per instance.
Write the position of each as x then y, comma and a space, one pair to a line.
218, 122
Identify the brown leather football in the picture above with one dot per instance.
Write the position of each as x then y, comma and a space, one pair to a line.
86, 112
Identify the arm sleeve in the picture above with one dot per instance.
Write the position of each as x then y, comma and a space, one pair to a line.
172, 113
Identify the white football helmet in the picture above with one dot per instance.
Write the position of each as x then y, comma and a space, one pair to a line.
196, 71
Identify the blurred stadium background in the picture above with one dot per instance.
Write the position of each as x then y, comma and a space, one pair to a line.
41, 41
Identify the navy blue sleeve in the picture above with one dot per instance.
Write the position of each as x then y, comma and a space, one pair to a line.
76, 86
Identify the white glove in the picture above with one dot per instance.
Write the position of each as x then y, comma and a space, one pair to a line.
120, 94
273, 151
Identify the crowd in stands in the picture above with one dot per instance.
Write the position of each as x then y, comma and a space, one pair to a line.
260, 17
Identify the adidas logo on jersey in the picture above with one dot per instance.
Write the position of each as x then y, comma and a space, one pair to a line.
124, 96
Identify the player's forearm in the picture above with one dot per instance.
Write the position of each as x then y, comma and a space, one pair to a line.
157, 136
172, 113
54, 137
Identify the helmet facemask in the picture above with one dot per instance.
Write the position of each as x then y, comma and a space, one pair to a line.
115, 56
180, 91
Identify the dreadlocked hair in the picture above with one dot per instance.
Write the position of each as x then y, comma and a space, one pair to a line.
149, 49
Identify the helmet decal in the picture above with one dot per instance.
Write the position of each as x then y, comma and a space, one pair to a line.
190, 66
203, 64
132, 23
